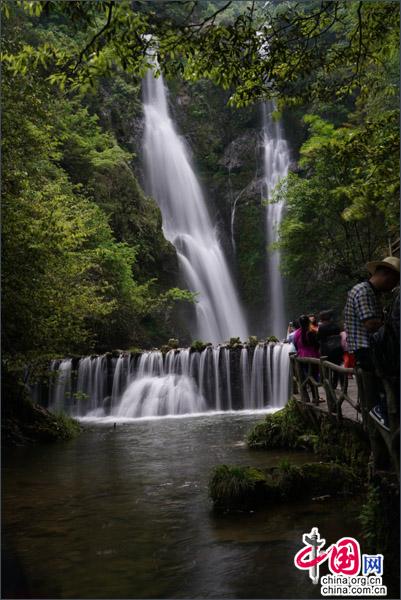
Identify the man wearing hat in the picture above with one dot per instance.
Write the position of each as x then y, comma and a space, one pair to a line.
363, 311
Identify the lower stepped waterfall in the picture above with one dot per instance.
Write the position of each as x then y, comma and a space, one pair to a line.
179, 382
276, 165
187, 224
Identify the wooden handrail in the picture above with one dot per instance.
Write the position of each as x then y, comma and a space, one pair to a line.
309, 381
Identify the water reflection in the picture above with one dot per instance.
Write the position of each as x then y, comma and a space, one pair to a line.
124, 513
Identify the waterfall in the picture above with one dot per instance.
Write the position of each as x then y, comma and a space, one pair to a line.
121, 378
281, 368
157, 396
61, 396
181, 381
226, 358
216, 373
276, 164
186, 222
257, 387
245, 374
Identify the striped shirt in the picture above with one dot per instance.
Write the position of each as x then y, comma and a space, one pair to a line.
362, 304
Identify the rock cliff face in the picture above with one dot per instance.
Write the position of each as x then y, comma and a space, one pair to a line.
226, 148
226, 144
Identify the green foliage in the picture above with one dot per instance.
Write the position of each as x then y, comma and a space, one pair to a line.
74, 211
314, 49
369, 517
198, 346
234, 487
80, 239
238, 487
24, 422
291, 429
234, 342
67, 426
251, 251
344, 202
278, 430
173, 343
380, 518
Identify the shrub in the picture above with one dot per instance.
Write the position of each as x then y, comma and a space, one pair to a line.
198, 346
235, 487
279, 430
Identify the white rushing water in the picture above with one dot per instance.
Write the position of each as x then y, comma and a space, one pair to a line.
276, 164
176, 383
186, 222
61, 385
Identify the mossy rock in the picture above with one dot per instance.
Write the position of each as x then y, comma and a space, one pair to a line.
328, 478
245, 488
291, 429
135, 351
343, 444
234, 342
282, 429
238, 487
24, 422
198, 346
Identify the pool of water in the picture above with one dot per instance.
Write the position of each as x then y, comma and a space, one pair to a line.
123, 512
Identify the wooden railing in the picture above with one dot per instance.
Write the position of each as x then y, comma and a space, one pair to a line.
318, 381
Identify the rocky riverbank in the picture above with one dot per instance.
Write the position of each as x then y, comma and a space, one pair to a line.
25, 422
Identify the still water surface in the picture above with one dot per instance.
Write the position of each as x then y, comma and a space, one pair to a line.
124, 513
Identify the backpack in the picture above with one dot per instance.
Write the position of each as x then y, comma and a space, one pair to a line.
332, 344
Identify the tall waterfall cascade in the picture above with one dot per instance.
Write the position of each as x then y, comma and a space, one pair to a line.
186, 222
276, 165
178, 382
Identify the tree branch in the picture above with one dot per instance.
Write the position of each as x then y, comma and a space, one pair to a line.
212, 18
96, 36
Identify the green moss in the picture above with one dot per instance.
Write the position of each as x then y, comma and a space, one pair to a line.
291, 428
135, 350
24, 422
246, 487
343, 445
236, 487
380, 519
279, 430
251, 252
66, 427
173, 343
198, 346
329, 478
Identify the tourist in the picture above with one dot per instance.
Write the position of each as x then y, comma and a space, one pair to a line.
348, 357
313, 322
305, 339
364, 316
329, 338
307, 345
292, 328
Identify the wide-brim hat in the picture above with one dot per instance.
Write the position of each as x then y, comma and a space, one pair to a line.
390, 262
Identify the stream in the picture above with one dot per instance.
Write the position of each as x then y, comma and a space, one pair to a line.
124, 513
